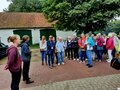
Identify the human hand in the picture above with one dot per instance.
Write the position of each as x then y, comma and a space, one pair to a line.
6, 67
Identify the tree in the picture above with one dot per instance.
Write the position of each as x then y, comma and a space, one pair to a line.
114, 26
25, 6
81, 15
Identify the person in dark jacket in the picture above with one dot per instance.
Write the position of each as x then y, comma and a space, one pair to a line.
26, 56
56, 56
50, 51
69, 48
14, 61
75, 47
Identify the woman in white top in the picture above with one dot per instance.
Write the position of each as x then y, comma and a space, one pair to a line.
43, 49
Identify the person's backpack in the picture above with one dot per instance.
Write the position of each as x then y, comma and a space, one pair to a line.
115, 63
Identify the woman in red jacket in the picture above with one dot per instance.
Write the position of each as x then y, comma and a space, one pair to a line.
110, 46
100, 41
14, 62
81, 43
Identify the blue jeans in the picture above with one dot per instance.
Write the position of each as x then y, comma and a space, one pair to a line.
83, 55
89, 56
60, 57
44, 56
51, 59
80, 53
100, 52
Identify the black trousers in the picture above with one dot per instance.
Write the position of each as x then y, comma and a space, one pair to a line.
76, 55
70, 53
26, 67
16, 76
56, 58
113, 52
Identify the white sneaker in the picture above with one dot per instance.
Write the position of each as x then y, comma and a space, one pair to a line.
77, 59
74, 59
108, 61
118, 88
58, 64
84, 62
63, 63
80, 61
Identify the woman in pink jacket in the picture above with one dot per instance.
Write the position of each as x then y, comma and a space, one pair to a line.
110, 46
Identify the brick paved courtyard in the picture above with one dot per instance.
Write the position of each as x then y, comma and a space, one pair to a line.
72, 70
53, 79
111, 82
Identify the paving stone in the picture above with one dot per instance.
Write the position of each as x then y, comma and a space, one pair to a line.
105, 83
70, 76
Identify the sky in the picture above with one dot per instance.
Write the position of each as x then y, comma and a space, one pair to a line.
3, 4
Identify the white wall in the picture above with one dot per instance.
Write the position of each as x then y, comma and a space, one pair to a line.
4, 34
64, 34
35, 36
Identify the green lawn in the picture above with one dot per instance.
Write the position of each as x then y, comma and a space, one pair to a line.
35, 46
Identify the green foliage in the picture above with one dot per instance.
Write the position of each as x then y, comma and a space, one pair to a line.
35, 46
25, 6
81, 15
114, 26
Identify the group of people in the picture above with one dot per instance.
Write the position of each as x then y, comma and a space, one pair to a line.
87, 47
14, 63
84, 49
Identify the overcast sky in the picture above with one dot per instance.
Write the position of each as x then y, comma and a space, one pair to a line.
3, 4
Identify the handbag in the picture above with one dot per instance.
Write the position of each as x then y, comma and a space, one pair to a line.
41, 50
115, 63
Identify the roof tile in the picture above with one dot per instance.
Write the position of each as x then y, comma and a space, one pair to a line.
23, 20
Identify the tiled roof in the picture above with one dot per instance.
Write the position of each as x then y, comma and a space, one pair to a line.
23, 20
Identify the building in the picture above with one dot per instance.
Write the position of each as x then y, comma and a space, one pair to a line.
33, 24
